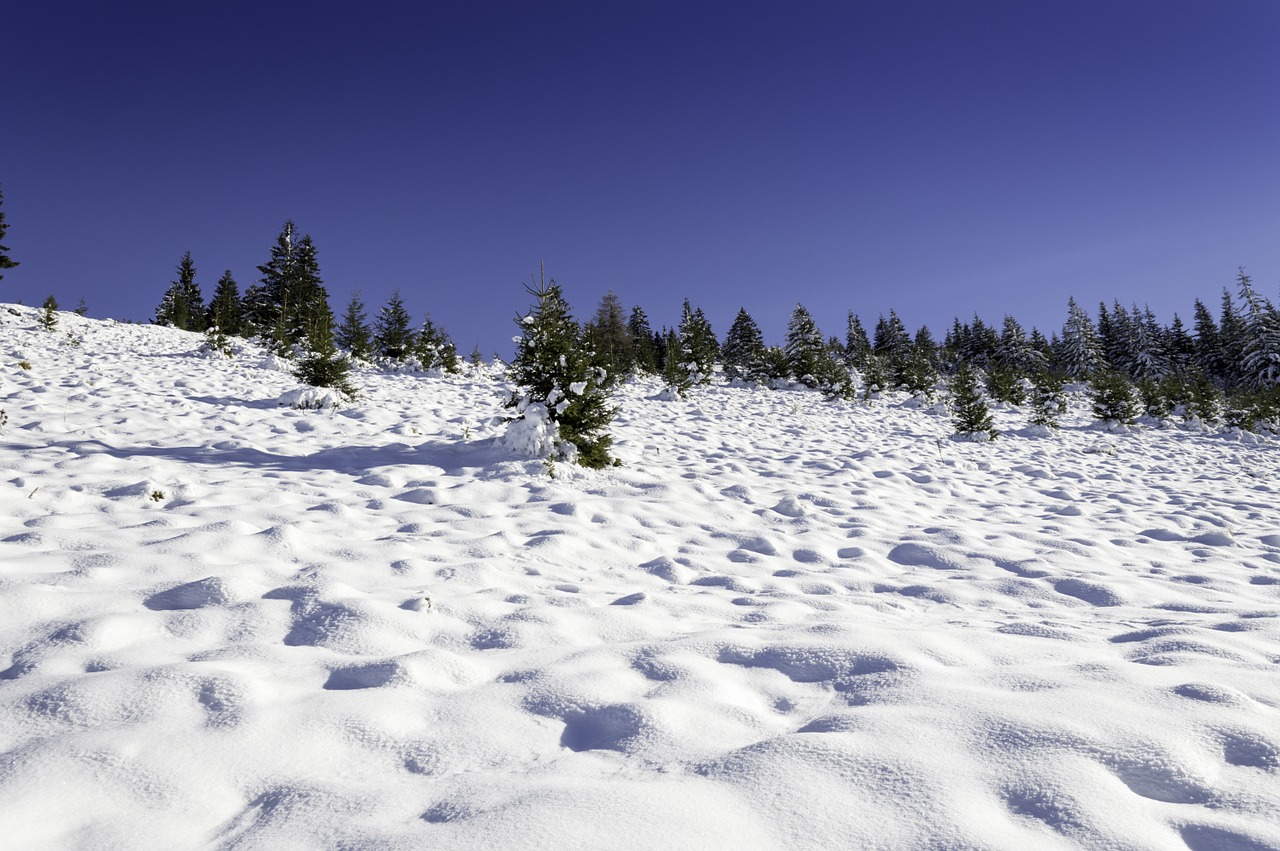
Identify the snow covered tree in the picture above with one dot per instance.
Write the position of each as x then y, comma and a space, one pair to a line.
810, 361
1113, 398
1148, 360
393, 337
699, 344
224, 311
676, 362
434, 348
1260, 355
321, 364
353, 332
642, 341
5, 261
607, 335
1048, 402
972, 417
562, 401
892, 344
857, 347
1015, 352
743, 352
1203, 398
1178, 345
182, 306
1006, 385
919, 374
270, 305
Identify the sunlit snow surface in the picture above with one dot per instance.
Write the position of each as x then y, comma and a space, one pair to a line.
784, 623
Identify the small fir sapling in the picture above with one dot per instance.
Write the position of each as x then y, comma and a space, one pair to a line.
919, 377
678, 369
1204, 401
1048, 401
353, 333
1114, 400
1157, 397
562, 399
972, 418
1005, 384
48, 318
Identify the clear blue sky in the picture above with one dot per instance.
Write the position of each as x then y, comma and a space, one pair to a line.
941, 158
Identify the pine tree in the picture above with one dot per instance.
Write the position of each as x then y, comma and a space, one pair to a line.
1079, 352
392, 337
353, 332
1204, 399
1178, 346
1015, 352
309, 325
48, 319
643, 350
555, 378
1233, 337
608, 337
434, 348
809, 359
1148, 359
1208, 344
224, 311
920, 373
698, 343
1048, 401
972, 418
1260, 355
892, 344
321, 364
281, 307
182, 306
5, 261
857, 347
743, 352
1113, 398
676, 363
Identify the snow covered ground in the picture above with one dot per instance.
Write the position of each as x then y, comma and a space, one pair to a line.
784, 623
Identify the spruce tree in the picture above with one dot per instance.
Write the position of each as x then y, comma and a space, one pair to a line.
1048, 402
1260, 354
48, 318
321, 364
698, 343
1113, 398
392, 337
224, 311
434, 348
676, 363
972, 415
1208, 344
810, 361
555, 378
1233, 337
857, 348
1204, 399
743, 352
5, 261
609, 338
353, 332
182, 306
643, 351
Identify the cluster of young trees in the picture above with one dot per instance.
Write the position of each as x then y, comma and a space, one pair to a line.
288, 312
1225, 368
5, 261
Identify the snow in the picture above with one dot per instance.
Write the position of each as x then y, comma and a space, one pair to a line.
783, 623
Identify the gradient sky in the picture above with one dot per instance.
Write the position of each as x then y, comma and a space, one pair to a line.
941, 158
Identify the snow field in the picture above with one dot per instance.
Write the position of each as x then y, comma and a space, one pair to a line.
784, 623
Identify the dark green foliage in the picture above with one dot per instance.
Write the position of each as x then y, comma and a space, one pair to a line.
610, 339
225, 311
1155, 396
743, 352
5, 261
182, 306
644, 352
393, 337
321, 364
48, 319
698, 344
282, 308
1208, 344
676, 362
553, 368
919, 375
1113, 398
1016, 353
434, 348
810, 361
309, 326
353, 332
82, 309
972, 416
1232, 338
1254, 409
857, 348
876, 376
1260, 354
1006, 385
1204, 400
1048, 401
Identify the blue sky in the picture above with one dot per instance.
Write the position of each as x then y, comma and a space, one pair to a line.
941, 158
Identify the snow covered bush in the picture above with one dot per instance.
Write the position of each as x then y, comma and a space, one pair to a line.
562, 400
1048, 400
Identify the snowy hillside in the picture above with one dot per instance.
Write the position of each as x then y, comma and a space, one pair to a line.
783, 623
